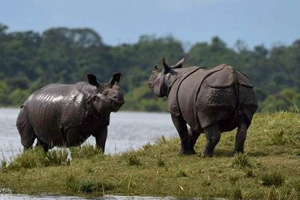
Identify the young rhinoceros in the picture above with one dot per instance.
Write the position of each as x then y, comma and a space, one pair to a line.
67, 114
210, 101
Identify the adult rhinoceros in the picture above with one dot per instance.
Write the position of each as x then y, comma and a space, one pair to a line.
210, 101
67, 114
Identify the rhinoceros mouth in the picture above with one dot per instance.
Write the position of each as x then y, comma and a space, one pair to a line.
116, 105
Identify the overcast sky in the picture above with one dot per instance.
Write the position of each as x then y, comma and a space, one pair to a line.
267, 22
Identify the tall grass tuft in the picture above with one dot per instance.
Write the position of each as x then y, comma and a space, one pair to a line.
162, 140
86, 151
3, 165
87, 186
159, 161
241, 160
29, 159
236, 193
132, 159
274, 178
278, 138
57, 157
36, 157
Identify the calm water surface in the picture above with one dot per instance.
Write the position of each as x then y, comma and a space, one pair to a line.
127, 130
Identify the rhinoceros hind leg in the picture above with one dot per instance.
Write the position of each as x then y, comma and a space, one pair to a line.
25, 129
212, 135
193, 136
241, 135
185, 139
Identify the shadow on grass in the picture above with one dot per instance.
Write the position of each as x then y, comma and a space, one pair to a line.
231, 153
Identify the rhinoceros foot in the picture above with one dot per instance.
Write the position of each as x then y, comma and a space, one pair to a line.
205, 154
187, 152
239, 151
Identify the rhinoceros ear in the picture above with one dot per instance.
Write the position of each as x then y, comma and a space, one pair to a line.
180, 64
92, 79
155, 68
116, 78
166, 66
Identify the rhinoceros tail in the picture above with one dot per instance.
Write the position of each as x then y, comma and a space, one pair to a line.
236, 89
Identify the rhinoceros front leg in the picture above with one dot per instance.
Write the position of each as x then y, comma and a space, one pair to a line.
241, 136
101, 136
42, 144
212, 135
187, 147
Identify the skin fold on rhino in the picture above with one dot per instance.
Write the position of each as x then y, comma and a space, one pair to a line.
210, 101
67, 114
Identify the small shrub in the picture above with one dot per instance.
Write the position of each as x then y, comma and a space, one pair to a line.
241, 160
274, 178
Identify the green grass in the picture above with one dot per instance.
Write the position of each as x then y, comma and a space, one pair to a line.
270, 168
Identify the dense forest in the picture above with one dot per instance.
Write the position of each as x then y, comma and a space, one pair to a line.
30, 60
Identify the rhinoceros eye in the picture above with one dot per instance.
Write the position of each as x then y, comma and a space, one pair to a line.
105, 93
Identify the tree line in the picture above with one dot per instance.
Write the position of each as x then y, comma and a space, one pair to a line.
30, 60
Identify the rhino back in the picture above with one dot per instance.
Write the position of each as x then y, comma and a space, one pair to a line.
54, 106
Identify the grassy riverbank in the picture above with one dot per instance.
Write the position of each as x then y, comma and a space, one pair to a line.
270, 169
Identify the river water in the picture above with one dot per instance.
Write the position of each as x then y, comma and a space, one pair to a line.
127, 130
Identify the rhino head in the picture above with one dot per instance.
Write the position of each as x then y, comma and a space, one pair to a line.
108, 96
161, 81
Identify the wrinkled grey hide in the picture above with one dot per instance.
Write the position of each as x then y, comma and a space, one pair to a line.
67, 114
210, 101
